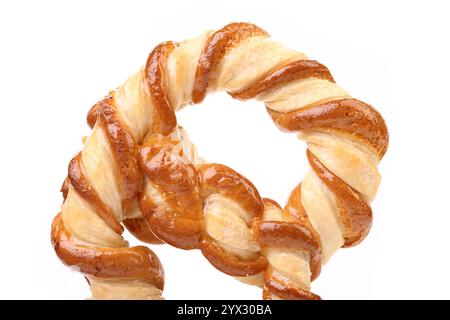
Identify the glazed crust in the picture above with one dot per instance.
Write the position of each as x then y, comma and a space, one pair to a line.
138, 168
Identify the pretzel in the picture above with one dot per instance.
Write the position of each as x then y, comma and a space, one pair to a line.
139, 168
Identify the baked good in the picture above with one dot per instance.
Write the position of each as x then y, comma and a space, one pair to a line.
139, 168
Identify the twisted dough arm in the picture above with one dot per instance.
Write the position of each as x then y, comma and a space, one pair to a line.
100, 192
346, 138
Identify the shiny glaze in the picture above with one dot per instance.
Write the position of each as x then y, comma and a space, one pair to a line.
140, 228
94, 112
164, 119
184, 187
355, 213
85, 189
123, 146
135, 263
279, 287
65, 187
180, 221
297, 70
124, 263
353, 118
220, 179
124, 150
215, 49
271, 203
294, 234
229, 263
294, 208
287, 235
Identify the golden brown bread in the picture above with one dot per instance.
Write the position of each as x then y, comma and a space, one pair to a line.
139, 167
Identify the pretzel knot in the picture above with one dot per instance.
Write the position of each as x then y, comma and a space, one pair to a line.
139, 168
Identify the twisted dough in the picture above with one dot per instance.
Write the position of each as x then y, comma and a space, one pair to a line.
139, 167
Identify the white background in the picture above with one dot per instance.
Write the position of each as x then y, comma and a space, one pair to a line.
57, 58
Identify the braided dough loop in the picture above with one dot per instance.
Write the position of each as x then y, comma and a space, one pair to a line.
139, 167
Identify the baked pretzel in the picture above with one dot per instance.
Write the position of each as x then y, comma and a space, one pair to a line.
139, 168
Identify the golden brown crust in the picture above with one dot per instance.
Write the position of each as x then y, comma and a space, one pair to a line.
164, 119
215, 49
124, 151
94, 112
289, 235
355, 213
136, 263
229, 263
356, 119
271, 202
279, 287
173, 196
65, 187
294, 208
296, 234
87, 192
140, 228
297, 70
179, 221
220, 179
